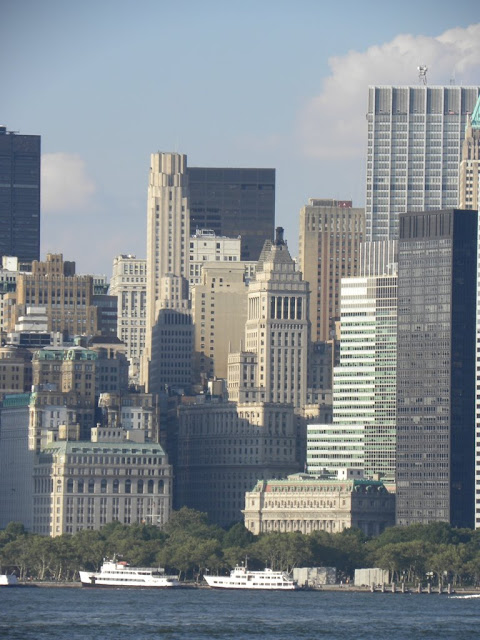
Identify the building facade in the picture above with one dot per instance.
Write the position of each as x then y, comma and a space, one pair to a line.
19, 195
436, 375
364, 383
67, 298
415, 137
85, 485
273, 366
234, 202
470, 164
306, 504
330, 235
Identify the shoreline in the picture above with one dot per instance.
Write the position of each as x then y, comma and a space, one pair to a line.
327, 587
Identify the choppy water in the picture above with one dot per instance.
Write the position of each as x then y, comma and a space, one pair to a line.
61, 613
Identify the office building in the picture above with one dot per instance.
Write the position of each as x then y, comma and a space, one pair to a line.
205, 247
470, 164
219, 310
415, 137
436, 367
98, 482
19, 195
330, 235
273, 365
234, 202
364, 382
67, 297
129, 284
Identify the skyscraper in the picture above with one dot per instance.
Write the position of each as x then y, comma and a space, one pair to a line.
470, 164
234, 202
436, 362
168, 231
330, 235
415, 137
19, 195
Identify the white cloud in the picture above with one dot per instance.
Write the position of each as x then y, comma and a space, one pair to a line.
66, 186
332, 124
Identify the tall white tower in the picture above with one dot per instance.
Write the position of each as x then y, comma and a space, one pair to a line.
168, 231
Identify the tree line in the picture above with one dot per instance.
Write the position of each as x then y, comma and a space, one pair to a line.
190, 546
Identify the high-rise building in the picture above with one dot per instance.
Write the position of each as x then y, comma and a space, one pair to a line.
129, 284
470, 164
364, 383
436, 361
168, 231
415, 137
234, 202
273, 366
330, 235
19, 195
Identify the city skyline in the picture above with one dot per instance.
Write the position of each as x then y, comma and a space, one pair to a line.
243, 85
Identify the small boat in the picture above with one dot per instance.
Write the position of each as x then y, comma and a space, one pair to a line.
242, 578
121, 574
9, 580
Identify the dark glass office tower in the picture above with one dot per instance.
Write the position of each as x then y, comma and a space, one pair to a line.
19, 195
436, 354
234, 202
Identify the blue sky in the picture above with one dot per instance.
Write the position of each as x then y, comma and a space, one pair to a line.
268, 83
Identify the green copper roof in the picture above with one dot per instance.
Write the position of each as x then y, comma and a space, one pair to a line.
475, 119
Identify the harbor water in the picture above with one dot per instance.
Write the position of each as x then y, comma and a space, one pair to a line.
80, 614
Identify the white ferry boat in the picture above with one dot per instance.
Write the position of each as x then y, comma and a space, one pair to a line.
8, 580
120, 574
242, 578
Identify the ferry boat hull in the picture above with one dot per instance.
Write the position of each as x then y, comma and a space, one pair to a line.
9, 580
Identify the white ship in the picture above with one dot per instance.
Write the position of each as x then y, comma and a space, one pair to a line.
242, 578
9, 580
120, 574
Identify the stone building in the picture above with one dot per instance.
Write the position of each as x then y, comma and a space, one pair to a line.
67, 298
85, 485
306, 503
223, 448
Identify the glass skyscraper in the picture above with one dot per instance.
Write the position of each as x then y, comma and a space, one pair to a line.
19, 195
415, 137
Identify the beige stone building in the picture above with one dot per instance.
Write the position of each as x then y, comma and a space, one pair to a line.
219, 310
85, 485
67, 298
272, 367
307, 503
329, 242
470, 163
129, 284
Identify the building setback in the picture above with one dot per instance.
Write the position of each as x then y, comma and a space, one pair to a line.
415, 137
470, 164
436, 347
19, 195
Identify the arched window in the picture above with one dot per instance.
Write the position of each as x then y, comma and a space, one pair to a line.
80, 486
128, 486
91, 486
103, 486
160, 486
115, 486
140, 486
150, 486
70, 485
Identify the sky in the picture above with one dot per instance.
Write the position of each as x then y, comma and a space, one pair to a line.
232, 83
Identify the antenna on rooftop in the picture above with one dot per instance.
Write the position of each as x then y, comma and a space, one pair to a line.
422, 74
